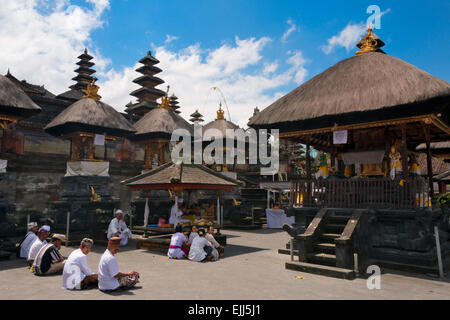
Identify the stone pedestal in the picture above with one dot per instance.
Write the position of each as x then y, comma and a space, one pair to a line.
91, 207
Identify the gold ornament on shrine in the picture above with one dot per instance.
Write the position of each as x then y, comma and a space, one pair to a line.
220, 113
91, 91
368, 43
165, 101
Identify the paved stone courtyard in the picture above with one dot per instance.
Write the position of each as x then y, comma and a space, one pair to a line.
252, 269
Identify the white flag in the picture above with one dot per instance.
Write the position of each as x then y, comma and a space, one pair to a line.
99, 140
146, 212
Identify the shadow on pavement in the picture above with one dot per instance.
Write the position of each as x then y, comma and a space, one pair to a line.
232, 250
123, 292
259, 231
14, 263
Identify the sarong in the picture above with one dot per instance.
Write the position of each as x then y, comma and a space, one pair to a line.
129, 281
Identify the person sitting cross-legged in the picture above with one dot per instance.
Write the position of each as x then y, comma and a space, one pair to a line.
38, 243
193, 234
109, 276
49, 260
76, 273
118, 228
179, 243
30, 237
210, 237
202, 250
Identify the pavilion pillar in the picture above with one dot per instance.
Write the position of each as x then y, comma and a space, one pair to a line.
308, 171
429, 162
404, 153
332, 152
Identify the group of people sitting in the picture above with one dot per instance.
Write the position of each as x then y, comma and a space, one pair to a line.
194, 244
45, 258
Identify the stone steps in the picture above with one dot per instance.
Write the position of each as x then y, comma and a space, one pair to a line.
325, 247
329, 271
287, 251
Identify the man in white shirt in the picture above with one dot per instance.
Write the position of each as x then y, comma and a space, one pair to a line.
29, 239
202, 250
210, 237
118, 228
193, 234
109, 276
76, 273
40, 241
176, 213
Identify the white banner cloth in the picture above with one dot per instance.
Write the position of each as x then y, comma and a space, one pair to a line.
276, 218
87, 168
3, 165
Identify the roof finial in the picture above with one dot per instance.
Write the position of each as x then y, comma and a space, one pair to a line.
85, 51
369, 43
91, 91
165, 101
220, 113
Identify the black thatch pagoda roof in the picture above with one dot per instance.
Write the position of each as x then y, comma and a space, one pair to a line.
30, 89
196, 117
185, 176
89, 115
147, 94
174, 104
82, 79
159, 123
14, 101
369, 86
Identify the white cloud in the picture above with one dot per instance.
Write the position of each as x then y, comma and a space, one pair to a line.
298, 66
270, 68
170, 38
292, 28
40, 39
347, 38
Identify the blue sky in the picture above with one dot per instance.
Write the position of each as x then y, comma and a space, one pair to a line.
415, 31
204, 33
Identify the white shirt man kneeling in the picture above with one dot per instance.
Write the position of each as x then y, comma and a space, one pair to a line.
76, 273
118, 228
109, 276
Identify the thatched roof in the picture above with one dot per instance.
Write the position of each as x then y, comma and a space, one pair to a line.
159, 123
71, 95
186, 176
368, 82
30, 89
14, 101
435, 146
88, 115
438, 166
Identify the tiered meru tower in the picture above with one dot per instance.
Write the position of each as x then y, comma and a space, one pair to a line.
196, 117
84, 72
174, 104
148, 94
83, 78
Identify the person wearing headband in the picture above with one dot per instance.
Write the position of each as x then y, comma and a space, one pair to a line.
109, 276
118, 228
24, 246
176, 213
40, 241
